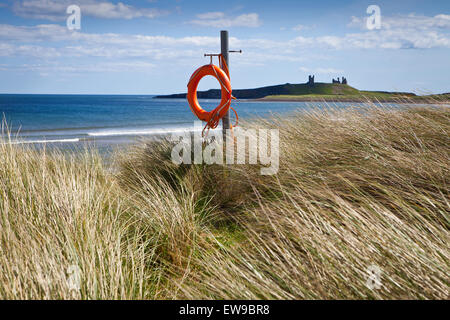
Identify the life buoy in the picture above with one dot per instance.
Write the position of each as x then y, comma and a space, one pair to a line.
211, 117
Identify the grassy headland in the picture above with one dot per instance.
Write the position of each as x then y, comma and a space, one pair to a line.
354, 189
318, 92
363, 96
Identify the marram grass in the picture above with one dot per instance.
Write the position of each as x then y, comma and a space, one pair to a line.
356, 188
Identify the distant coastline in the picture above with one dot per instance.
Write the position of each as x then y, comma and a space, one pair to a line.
394, 98
316, 92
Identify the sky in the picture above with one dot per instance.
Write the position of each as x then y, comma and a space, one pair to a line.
153, 46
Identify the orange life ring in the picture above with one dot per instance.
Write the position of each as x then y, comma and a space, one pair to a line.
211, 117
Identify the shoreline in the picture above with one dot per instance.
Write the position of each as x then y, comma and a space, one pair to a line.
400, 100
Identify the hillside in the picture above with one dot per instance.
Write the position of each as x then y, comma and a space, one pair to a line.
363, 96
291, 91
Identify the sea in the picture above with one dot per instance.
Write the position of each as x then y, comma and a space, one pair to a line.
105, 121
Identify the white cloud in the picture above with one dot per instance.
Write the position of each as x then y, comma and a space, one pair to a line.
211, 15
396, 39
51, 41
109, 10
401, 32
77, 68
55, 10
411, 21
111, 44
40, 52
43, 32
41, 9
430, 32
220, 20
300, 27
58, 41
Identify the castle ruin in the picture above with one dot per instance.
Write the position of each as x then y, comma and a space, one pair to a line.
344, 80
311, 82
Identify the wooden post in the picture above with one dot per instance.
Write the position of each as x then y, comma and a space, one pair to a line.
224, 51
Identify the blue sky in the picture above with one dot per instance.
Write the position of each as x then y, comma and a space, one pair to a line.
153, 46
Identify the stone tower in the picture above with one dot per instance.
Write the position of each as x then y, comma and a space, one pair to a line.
311, 81
336, 81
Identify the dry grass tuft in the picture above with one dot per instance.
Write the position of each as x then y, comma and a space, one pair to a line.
356, 187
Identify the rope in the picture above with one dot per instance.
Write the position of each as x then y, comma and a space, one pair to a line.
214, 120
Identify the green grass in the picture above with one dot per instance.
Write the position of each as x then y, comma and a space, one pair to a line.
356, 188
333, 93
319, 89
346, 95
319, 92
282, 89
